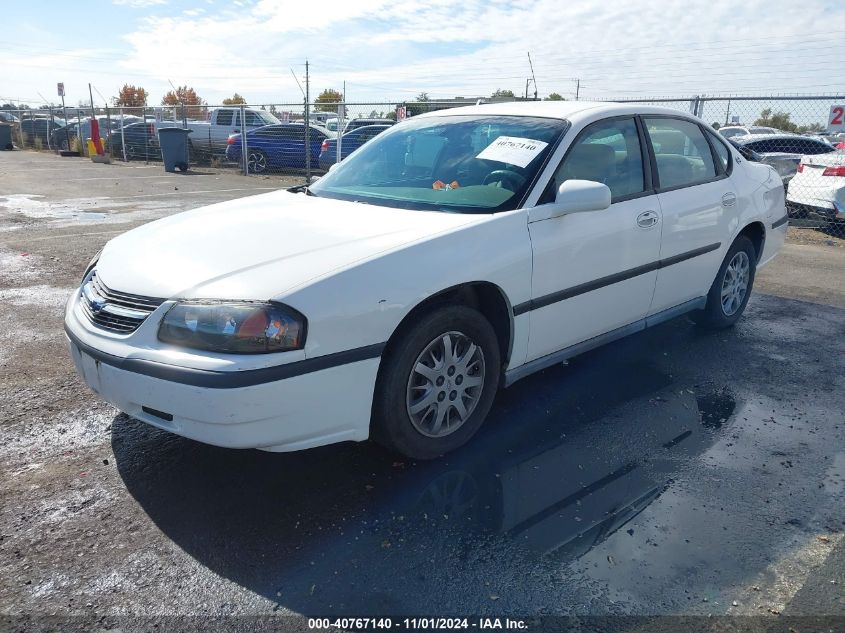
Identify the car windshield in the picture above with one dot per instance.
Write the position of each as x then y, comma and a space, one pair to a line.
460, 164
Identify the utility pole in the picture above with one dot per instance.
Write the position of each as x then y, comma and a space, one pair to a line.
577, 88
307, 126
533, 78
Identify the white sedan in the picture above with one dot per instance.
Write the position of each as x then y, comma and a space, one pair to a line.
454, 254
818, 187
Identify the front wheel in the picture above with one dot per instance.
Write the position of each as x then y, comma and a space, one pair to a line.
437, 383
731, 289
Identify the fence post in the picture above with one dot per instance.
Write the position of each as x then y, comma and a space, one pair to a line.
244, 150
108, 130
79, 141
307, 142
341, 110
122, 135
146, 135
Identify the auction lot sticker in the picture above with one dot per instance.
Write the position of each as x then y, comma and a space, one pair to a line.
513, 150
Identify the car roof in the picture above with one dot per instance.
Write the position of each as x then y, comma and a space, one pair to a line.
557, 109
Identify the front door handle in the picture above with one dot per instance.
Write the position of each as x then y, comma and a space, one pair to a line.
647, 219
729, 199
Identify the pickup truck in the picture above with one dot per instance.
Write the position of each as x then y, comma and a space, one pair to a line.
210, 137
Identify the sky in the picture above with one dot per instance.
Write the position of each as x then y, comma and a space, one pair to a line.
389, 50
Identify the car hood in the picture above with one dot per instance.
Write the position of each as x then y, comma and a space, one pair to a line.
259, 247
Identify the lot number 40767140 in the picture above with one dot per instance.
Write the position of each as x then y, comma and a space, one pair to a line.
836, 120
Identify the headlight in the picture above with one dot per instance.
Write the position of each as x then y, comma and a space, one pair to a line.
235, 328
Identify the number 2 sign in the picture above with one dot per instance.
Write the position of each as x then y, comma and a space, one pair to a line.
836, 121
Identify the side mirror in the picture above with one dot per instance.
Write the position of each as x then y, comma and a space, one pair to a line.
574, 196
333, 166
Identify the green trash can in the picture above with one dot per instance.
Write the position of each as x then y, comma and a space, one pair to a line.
6, 136
174, 148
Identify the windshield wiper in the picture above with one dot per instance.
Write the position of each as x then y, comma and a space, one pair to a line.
301, 189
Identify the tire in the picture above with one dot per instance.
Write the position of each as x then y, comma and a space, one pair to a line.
723, 312
408, 404
256, 161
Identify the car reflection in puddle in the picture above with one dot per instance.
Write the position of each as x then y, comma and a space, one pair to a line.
349, 529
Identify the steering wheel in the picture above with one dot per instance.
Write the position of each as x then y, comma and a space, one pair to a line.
509, 179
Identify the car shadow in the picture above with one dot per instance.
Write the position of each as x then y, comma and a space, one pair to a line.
567, 457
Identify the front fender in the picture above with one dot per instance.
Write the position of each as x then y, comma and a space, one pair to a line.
363, 304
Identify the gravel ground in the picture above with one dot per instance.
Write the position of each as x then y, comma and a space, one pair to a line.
675, 472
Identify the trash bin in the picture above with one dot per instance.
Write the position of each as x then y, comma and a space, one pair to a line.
6, 136
174, 148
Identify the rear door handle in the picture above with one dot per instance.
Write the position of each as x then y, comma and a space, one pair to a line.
729, 199
647, 219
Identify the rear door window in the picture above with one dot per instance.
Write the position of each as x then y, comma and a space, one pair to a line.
681, 152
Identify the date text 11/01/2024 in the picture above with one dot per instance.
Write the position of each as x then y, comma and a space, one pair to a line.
426, 623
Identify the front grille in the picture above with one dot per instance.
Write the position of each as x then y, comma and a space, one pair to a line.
112, 310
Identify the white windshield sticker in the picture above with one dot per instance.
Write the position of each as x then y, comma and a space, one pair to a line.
513, 150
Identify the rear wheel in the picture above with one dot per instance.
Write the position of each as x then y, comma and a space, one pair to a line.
256, 161
731, 289
437, 383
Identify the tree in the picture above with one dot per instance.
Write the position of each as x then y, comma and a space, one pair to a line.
499, 94
779, 120
131, 97
184, 95
812, 128
412, 109
555, 97
235, 99
327, 100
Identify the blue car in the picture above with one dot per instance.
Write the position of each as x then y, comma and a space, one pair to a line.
277, 147
349, 143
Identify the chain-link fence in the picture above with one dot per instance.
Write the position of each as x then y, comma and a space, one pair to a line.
796, 135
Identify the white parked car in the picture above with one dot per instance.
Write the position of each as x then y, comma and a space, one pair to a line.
733, 131
819, 186
454, 254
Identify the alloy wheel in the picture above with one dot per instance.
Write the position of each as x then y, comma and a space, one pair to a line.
256, 162
445, 384
735, 283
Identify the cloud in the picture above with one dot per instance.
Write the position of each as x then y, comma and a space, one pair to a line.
139, 4
386, 49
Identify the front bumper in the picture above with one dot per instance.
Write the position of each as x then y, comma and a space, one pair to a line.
317, 407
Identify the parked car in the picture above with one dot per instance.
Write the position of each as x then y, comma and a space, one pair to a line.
39, 128
141, 140
8, 117
211, 136
459, 251
62, 138
783, 151
349, 143
731, 131
353, 124
818, 187
274, 147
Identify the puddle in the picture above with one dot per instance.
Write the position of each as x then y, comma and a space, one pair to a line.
31, 206
96, 210
715, 408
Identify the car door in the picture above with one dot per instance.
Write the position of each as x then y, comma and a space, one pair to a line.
697, 199
593, 272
